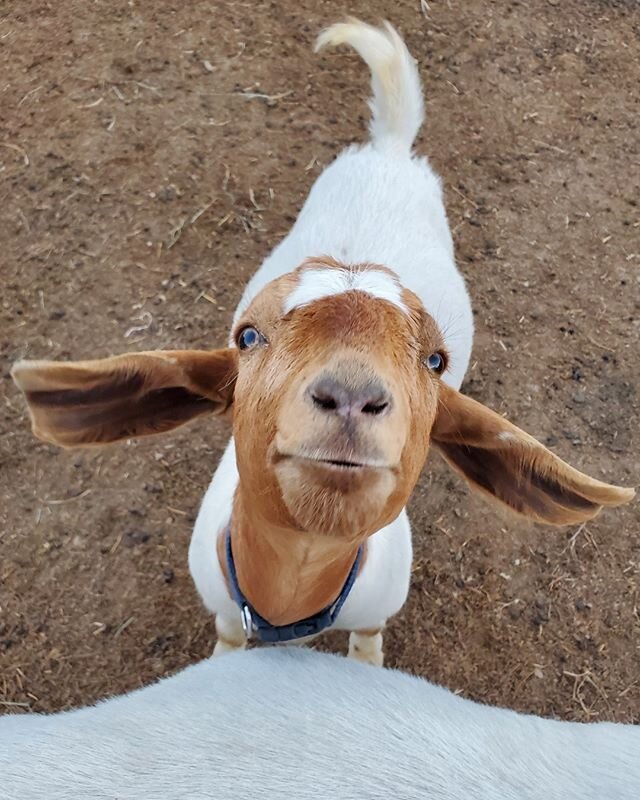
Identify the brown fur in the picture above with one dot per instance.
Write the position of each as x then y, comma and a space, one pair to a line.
517, 470
353, 336
270, 589
102, 401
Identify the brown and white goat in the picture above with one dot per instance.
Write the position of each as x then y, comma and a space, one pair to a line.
342, 370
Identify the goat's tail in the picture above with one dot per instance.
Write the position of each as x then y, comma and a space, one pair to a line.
397, 106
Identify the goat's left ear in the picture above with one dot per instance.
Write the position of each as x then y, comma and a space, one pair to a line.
96, 402
503, 461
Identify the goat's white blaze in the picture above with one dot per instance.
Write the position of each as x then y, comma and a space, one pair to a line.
316, 284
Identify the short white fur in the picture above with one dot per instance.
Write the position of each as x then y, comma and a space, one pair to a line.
290, 722
317, 283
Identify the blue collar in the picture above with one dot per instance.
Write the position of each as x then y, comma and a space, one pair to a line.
252, 622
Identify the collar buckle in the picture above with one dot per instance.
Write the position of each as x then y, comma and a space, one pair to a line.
247, 621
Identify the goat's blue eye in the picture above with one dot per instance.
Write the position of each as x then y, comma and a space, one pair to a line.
248, 338
435, 362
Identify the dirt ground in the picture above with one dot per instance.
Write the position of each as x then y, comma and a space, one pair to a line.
152, 153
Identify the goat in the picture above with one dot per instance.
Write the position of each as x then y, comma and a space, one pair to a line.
290, 722
347, 351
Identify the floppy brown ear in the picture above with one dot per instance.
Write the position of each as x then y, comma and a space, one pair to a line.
96, 402
503, 461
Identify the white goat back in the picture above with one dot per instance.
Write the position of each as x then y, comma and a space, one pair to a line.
292, 723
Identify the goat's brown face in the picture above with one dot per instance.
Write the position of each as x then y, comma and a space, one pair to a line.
336, 397
336, 390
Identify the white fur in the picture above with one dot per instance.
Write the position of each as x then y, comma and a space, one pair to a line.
374, 204
397, 108
315, 284
290, 723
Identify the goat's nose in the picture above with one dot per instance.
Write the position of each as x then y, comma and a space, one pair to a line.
334, 396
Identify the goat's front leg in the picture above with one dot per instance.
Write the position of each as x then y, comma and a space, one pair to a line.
230, 636
366, 645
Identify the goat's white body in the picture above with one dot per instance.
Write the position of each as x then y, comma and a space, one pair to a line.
291, 723
374, 204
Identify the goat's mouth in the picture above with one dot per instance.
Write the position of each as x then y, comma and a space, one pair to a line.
334, 488
339, 464
335, 464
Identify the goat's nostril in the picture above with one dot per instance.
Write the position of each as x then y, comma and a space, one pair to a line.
375, 407
324, 401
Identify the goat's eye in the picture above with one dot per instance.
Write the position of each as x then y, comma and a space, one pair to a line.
435, 362
248, 338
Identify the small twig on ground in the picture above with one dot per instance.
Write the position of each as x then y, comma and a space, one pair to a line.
18, 149
123, 627
269, 98
464, 196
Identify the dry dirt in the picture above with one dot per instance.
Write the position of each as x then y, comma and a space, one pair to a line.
152, 154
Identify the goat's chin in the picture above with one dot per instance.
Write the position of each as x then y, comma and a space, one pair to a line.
346, 503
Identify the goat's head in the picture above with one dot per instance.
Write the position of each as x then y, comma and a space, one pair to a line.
336, 395
335, 380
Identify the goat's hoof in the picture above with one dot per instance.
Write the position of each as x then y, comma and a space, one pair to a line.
367, 649
376, 659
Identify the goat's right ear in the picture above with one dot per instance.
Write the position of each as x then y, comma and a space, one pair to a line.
97, 402
507, 464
